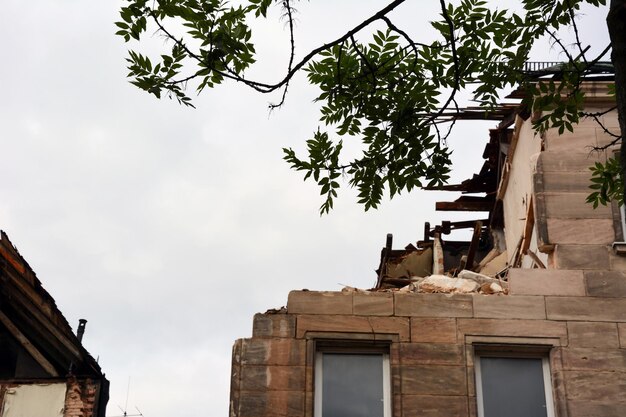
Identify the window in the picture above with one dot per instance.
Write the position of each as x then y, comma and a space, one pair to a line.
513, 384
352, 382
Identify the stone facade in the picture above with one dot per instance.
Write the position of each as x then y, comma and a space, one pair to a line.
431, 341
568, 307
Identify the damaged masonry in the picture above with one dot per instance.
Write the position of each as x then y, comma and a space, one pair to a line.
528, 315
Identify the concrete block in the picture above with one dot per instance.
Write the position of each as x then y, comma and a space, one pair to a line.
546, 282
594, 359
581, 231
432, 354
433, 305
353, 324
581, 257
512, 328
274, 325
592, 334
433, 330
586, 309
433, 380
373, 304
606, 283
434, 406
509, 307
319, 302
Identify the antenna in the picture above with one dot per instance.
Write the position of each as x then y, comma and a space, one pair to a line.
125, 409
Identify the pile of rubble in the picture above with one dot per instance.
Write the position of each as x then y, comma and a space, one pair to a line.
423, 271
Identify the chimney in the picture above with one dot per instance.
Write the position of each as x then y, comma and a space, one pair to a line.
81, 329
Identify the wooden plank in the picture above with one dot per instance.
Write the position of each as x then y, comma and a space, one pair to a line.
471, 252
23, 340
464, 205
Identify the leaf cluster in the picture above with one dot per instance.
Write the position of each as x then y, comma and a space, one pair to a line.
395, 95
607, 182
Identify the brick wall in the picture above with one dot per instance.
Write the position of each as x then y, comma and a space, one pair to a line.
81, 398
432, 337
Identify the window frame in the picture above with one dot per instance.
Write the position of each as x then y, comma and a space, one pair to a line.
514, 352
349, 347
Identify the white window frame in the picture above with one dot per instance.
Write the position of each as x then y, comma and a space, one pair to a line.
547, 379
318, 399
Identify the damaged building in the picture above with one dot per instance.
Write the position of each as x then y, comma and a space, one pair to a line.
526, 318
44, 369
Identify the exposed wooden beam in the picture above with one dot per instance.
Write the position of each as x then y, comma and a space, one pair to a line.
23, 340
464, 205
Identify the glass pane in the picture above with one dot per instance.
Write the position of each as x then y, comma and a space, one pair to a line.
352, 385
513, 387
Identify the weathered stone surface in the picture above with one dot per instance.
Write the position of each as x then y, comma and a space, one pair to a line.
617, 262
373, 304
594, 359
432, 354
621, 328
273, 352
512, 328
593, 385
434, 406
581, 231
271, 403
431, 330
573, 206
445, 284
433, 305
596, 408
592, 334
586, 308
570, 182
415, 264
509, 307
319, 302
546, 282
566, 161
581, 257
606, 283
272, 378
581, 139
274, 325
433, 380
353, 324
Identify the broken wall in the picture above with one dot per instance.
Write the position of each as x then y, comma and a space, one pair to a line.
432, 340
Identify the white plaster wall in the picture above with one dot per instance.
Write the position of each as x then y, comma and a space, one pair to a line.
35, 401
519, 189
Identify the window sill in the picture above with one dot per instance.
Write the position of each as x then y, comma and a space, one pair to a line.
619, 248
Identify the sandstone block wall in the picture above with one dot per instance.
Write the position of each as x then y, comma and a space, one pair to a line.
431, 345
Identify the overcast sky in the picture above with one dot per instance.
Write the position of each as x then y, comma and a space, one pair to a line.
165, 227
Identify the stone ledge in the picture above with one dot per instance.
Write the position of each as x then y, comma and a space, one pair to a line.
558, 282
319, 302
